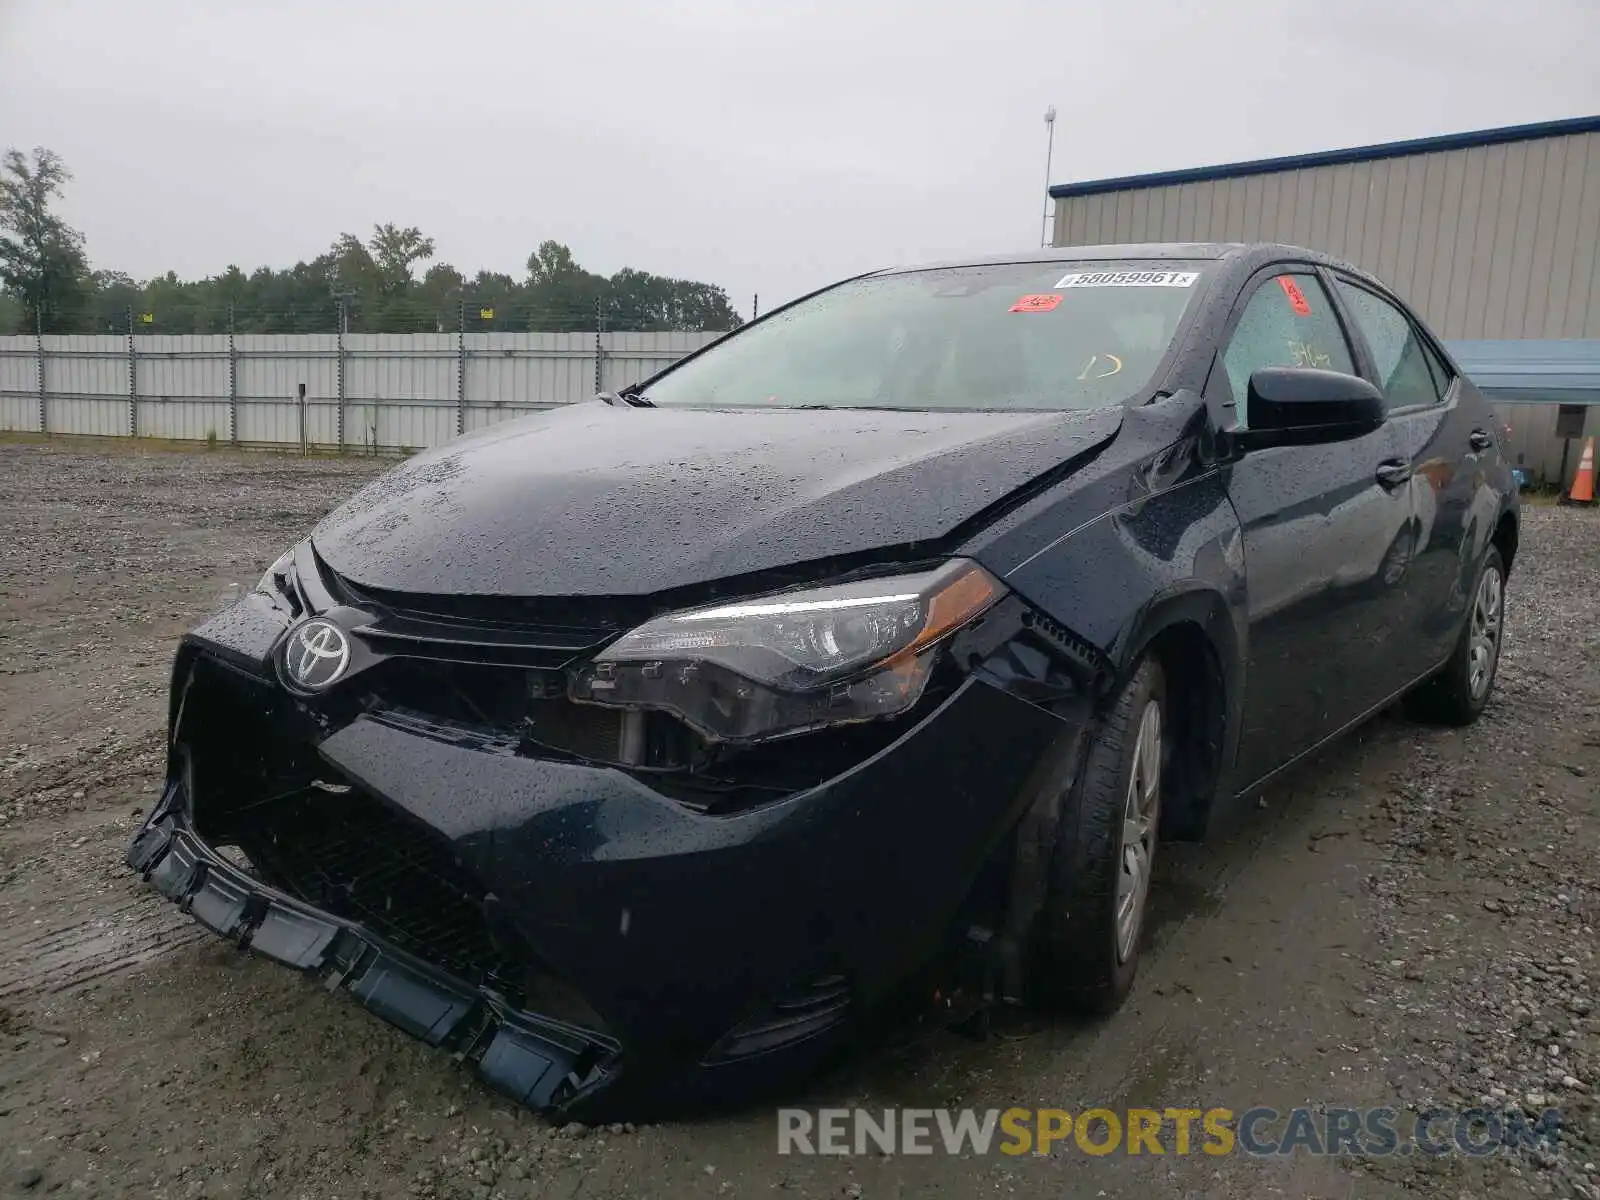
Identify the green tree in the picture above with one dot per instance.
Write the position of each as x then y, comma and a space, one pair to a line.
230, 291
395, 251
397, 307
45, 281
41, 257
497, 293
439, 297
638, 300
559, 295
112, 296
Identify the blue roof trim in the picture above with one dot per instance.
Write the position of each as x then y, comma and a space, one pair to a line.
1330, 158
1555, 370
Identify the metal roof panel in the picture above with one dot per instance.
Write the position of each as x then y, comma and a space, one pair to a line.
1328, 158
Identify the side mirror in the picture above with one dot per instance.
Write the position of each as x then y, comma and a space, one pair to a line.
1302, 406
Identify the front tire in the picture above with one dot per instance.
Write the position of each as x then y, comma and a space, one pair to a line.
1458, 694
1088, 935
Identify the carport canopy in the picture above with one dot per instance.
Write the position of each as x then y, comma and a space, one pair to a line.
1565, 371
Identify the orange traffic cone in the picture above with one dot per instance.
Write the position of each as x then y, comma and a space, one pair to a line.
1583, 483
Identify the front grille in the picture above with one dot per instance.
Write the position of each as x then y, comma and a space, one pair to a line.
524, 704
584, 731
576, 617
486, 697
361, 859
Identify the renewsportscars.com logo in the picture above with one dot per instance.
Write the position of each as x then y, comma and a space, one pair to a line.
1260, 1131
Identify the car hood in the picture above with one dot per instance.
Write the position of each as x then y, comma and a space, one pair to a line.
597, 500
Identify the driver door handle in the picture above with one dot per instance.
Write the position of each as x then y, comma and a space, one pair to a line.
1479, 440
1392, 472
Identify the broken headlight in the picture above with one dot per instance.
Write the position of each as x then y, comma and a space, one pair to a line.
280, 585
279, 578
792, 661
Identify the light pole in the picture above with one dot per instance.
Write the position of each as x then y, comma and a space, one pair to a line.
1049, 150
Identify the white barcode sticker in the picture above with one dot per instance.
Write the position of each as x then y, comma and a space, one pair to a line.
1128, 279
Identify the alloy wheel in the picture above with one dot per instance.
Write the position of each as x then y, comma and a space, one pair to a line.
1484, 646
1141, 814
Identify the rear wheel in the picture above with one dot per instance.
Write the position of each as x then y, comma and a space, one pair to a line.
1459, 693
1088, 935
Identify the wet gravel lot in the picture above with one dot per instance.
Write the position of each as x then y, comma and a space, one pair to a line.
1407, 921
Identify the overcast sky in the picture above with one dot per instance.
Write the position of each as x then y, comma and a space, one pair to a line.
765, 145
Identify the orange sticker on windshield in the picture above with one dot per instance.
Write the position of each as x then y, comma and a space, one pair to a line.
1038, 302
1297, 298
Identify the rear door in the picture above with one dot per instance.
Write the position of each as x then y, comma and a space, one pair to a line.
1324, 531
1443, 434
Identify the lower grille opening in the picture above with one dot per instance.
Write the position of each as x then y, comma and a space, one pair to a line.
358, 858
263, 799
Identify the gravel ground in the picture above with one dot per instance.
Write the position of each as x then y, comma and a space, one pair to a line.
1407, 921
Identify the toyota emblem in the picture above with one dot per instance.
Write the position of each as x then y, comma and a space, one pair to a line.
315, 655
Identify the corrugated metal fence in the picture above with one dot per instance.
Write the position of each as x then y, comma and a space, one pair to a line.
385, 392
371, 392
1535, 445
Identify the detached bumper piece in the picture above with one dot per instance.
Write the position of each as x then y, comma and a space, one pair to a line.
536, 1061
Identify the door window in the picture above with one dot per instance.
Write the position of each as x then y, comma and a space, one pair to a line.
1405, 373
1288, 322
1443, 376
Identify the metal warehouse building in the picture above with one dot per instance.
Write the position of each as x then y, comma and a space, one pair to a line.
1493, 236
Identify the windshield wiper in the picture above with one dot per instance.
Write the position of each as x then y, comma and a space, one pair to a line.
850, 408
630, 396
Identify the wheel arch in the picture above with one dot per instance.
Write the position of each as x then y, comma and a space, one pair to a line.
1504, 538
1191, 631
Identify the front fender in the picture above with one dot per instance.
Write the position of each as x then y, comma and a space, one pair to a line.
1118, 580
1168, 566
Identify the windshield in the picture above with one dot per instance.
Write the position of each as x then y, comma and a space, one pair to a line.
1022, 336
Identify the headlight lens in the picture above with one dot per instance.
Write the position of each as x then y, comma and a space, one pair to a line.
794, 661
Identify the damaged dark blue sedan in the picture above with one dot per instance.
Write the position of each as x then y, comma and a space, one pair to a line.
634, 751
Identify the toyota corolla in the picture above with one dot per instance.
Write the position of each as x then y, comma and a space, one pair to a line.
634, 751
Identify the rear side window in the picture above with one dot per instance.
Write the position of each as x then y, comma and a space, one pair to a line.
1443, 376
1409, 373
1287, 322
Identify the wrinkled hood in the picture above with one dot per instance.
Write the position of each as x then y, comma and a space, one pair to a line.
596, 500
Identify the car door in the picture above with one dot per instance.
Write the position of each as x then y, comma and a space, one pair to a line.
1444, 432
1325, 536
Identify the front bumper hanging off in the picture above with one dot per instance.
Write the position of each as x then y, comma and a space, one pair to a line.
536, 1061
674, 957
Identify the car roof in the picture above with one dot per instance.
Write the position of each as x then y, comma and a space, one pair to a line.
1254, 251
